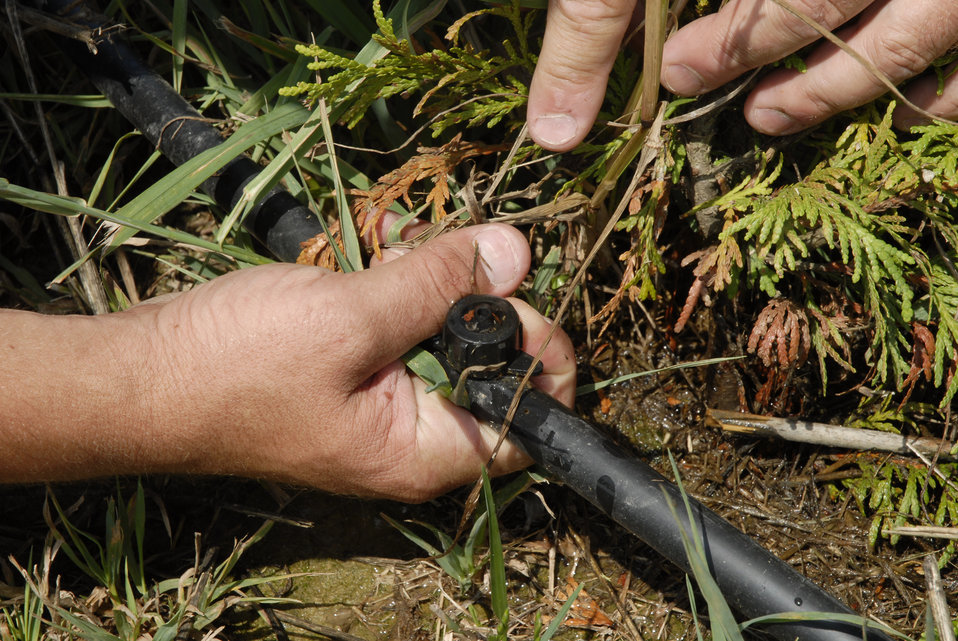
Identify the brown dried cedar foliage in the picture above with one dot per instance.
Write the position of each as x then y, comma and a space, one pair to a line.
431, 163
781, 337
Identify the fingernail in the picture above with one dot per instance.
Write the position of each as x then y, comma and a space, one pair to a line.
682, 80
498, 255
554, 130
774, 122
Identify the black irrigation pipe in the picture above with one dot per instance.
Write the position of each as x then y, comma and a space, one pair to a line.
754, 581
482, 335
278, 220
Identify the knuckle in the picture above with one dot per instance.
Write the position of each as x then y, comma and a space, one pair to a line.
824, 100
827, 14
901, 54
745, 46
792, 28
447, 272
572, 75
593, 14
732, 51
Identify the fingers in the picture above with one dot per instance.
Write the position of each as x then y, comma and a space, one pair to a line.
434, 448
581, 41
405, 300
742, 35
558, 360
432, 445
454, 439
924, 93
901, 37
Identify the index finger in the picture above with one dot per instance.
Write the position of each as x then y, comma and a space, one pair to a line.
581, 41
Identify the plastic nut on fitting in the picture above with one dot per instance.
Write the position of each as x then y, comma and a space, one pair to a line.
482, 332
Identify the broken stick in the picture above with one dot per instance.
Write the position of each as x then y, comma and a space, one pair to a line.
791, 429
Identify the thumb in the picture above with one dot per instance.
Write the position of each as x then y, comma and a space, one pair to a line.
581, 41
402, 302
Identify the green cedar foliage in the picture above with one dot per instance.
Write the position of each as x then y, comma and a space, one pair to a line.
457, 85
868, 237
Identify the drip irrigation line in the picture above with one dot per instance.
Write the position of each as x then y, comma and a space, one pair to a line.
178, 130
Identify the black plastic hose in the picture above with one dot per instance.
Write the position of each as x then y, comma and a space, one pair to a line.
483, 331
278, 220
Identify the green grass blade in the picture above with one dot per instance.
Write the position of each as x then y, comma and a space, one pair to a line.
75, 547
497, 561
180, 11
561, 614
139, 533
347, 226
427, 367
475, 534
723, 623
71, 207
546, 272
592, 387
854, 619
140, 173
346, 16
429, 548
309, 133
285, 77
90, 101
87, 630
105, 168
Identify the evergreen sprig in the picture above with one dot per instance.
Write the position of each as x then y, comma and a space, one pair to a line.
457, 85
860, 232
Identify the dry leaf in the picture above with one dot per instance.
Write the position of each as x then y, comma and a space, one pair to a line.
585, 612
435, 163
319, 252
605, 403
922, 358
714, 269
781, 337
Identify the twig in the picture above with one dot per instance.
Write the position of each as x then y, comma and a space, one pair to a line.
655, 19
506, 165
316, 628
924, 531
650, 151
799, 431
564, 208
274, 623
937, 601
63, 27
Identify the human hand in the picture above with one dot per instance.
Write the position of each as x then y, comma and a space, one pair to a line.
284, 372
291, 372
901, 37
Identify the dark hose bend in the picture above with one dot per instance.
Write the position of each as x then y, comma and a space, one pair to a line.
278, 220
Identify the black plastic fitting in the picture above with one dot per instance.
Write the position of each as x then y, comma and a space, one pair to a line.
482, 332
180, 132
754, 581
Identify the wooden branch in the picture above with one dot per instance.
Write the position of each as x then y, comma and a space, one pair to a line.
791, 429
924, 531
936, 599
